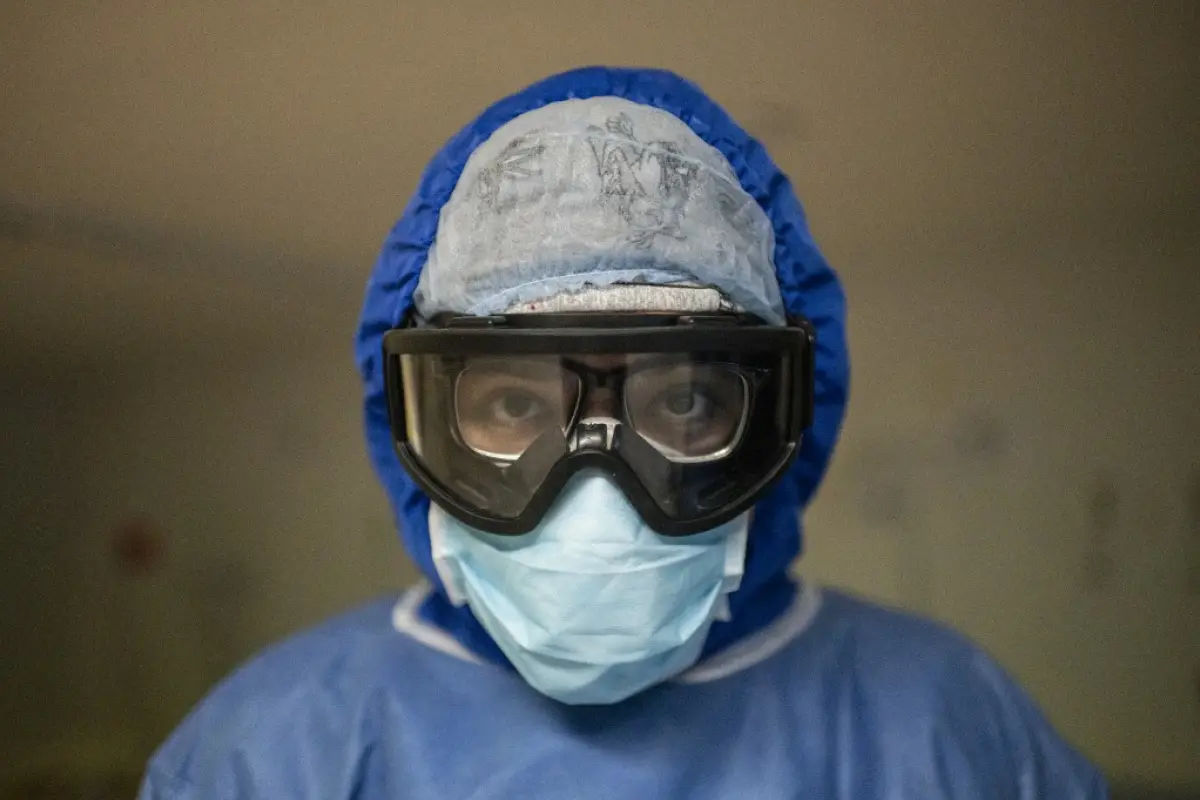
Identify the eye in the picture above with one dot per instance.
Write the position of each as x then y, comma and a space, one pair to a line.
515, 406
686, 410
503, 405
685, 401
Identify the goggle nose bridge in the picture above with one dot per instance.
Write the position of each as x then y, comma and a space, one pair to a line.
593, 433
595, 383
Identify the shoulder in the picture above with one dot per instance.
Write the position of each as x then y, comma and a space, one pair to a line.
941, 702
287, 711
898, 649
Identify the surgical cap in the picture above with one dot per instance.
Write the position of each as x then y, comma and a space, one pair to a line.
582, 194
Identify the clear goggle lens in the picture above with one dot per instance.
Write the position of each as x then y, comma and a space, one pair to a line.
688, 410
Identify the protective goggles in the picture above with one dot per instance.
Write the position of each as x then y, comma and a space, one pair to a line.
692, 416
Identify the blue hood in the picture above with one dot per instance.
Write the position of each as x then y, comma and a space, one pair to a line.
808, 285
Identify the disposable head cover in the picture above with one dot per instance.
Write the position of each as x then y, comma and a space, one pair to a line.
594, 192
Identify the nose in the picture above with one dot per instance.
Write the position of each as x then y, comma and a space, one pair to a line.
601, 401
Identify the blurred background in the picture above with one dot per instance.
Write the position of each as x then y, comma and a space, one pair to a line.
191, 198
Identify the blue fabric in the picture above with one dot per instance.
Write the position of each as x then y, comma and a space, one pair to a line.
808, 285
865, 704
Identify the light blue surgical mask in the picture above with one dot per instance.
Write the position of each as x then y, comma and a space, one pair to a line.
592, 606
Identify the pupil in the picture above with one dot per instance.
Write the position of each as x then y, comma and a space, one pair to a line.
517, 405
681, 401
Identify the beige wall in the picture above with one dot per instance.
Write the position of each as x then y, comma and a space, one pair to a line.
257, 475
36, 519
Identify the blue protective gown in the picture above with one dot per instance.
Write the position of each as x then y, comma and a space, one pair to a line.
802, 693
